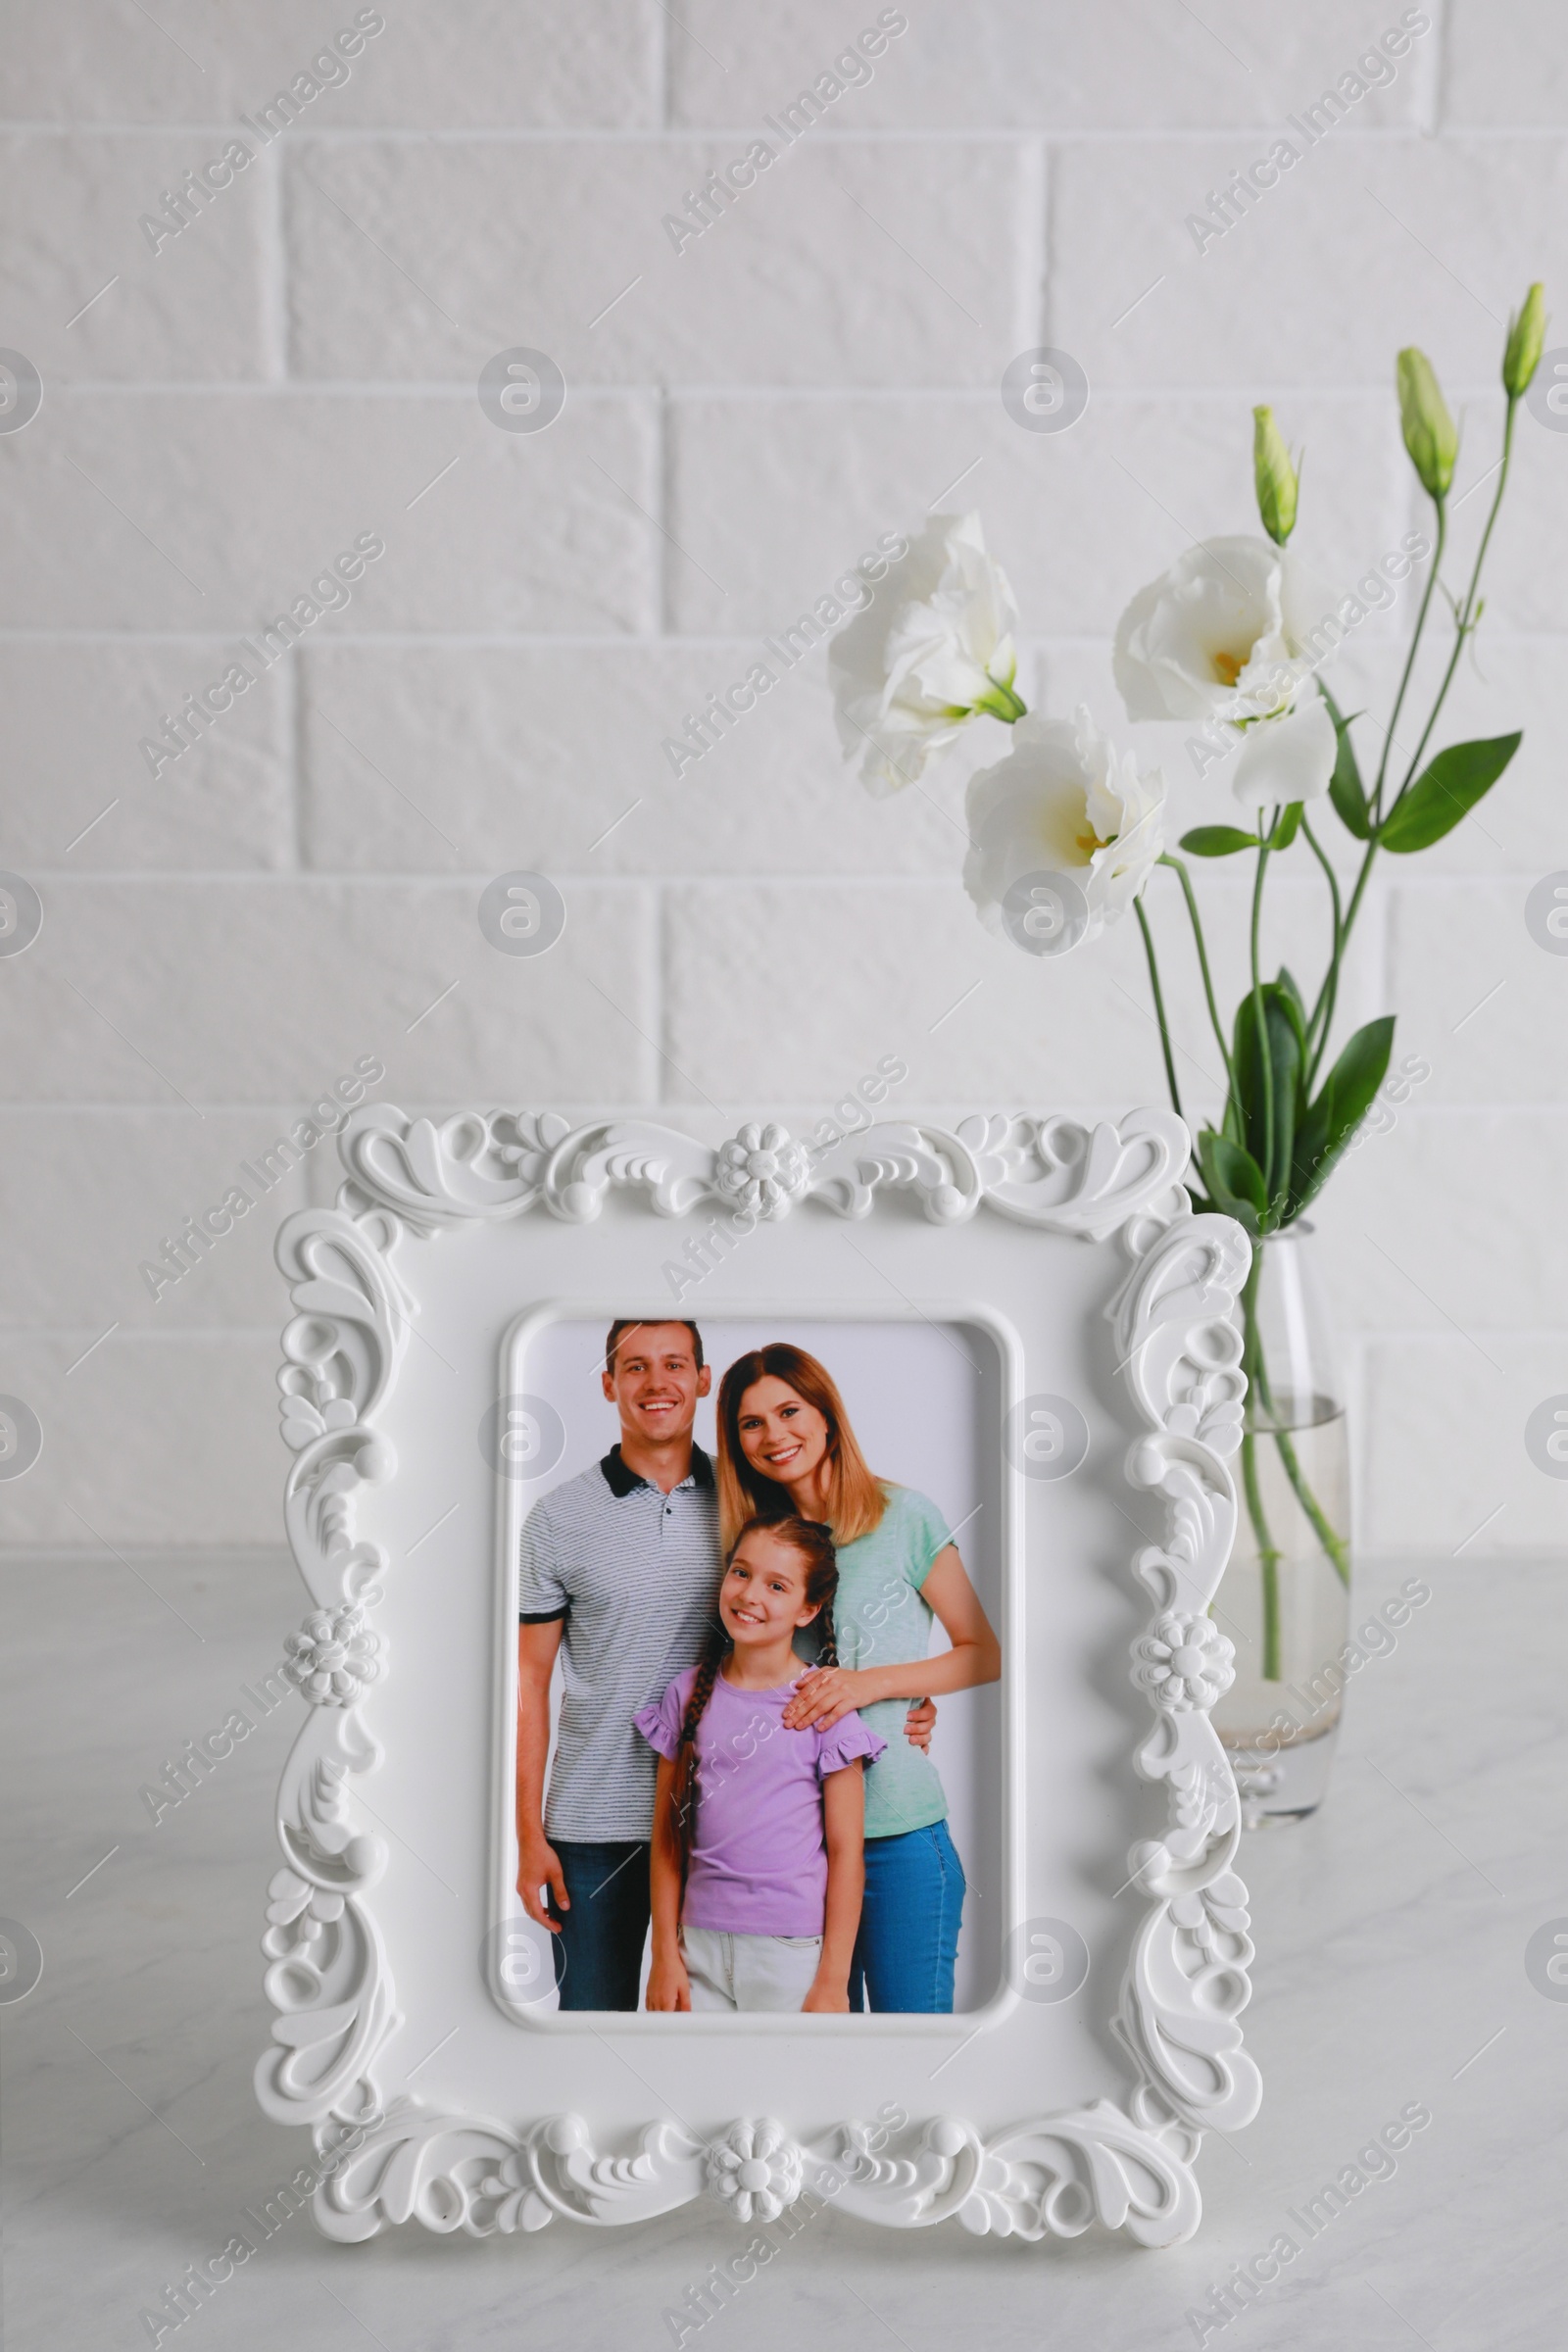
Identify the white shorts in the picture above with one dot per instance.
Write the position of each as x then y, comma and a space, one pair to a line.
749, 1972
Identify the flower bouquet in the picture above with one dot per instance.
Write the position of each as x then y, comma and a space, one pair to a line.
1065, 833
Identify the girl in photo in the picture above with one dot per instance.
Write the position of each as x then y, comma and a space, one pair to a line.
786, 1450
757, 1870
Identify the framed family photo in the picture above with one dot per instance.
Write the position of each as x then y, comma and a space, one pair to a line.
722, 1772
624, 1599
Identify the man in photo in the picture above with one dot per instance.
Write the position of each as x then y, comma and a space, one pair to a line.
620, 1574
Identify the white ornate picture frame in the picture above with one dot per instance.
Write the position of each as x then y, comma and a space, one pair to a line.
1032, 2116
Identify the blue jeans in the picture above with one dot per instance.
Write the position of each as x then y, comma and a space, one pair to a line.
599, 1952
908, 1938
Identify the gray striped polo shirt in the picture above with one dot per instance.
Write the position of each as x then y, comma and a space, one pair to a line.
635, 1575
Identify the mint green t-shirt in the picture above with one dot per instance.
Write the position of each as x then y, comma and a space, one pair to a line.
881, 1620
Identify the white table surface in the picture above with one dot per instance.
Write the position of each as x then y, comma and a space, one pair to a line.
1391, 1934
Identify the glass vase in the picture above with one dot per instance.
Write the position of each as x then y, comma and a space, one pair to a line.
1284, 1598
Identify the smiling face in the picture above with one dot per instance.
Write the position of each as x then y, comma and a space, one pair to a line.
781, 1436
762, 1598
655, 1381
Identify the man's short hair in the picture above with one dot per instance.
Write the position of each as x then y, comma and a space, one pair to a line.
625, 1323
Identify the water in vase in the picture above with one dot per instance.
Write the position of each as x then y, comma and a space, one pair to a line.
1288, 1617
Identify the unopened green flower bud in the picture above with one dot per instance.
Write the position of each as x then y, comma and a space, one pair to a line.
1275, 477
1429, 430
1526, 335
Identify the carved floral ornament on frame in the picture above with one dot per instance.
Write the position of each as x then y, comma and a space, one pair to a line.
1171, 1280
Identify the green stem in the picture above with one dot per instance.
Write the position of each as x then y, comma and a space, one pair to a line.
1322, 1011
1269, 1556
1259, 1024
1159, 1006
1188, 893
1410, 658
1261, 1407
1466, 618
1338, 1549
1330, 983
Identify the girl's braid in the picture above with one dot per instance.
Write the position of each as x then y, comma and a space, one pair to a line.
708, 1665
683, 1794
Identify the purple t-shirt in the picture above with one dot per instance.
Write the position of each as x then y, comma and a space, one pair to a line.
758, 1862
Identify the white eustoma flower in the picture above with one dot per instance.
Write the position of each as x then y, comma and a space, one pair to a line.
1287, 757
1227, 634
1067, 823
917, 664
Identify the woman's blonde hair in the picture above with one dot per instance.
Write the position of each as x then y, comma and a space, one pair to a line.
855, 1502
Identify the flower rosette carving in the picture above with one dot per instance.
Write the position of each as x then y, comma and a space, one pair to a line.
763, 1170
1184, 1662
756, 2170
332, 1660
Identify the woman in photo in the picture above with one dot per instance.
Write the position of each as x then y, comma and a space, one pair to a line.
786, 1450
756, 1864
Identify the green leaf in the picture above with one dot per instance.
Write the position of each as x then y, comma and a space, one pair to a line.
1345, 788
1343, 1102
1447, 790
1234, 1179
1287, 829
1286, 1036
1286, 983
1218, 840
1286, 998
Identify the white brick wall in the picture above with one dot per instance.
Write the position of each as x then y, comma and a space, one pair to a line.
300, 363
